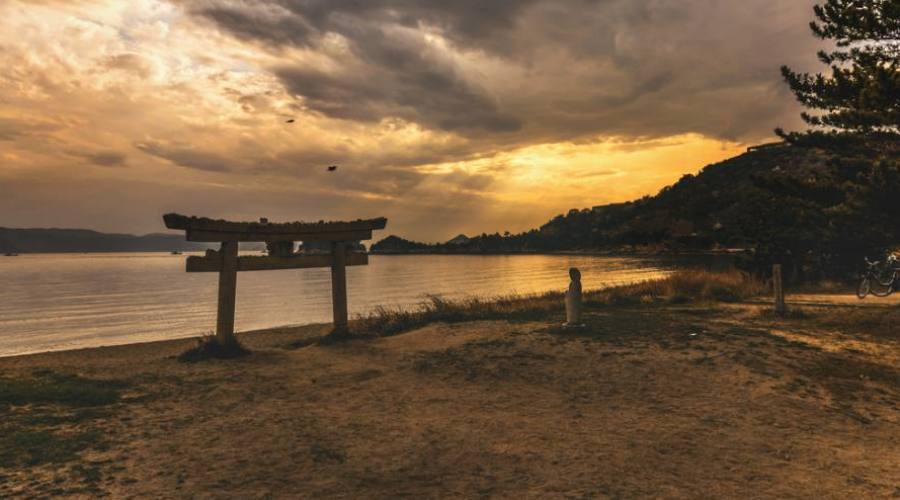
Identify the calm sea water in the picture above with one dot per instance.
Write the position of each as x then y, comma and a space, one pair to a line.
64, 301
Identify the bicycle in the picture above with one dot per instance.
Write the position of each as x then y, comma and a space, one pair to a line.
879, 280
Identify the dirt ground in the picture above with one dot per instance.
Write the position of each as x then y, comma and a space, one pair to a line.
653, 401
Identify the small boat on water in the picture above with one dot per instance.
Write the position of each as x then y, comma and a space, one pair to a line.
11, 254
175, 252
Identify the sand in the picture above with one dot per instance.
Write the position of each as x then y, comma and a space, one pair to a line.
661, 401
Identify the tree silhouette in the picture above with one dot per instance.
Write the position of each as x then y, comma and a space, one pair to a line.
862, 92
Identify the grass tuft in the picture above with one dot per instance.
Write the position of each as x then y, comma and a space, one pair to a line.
683, 287
210, 348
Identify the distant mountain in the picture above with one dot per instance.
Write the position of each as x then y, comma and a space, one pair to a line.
395, 244
459, 240
84, 240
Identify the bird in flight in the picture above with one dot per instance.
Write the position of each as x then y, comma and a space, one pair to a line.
332, 168
291, 120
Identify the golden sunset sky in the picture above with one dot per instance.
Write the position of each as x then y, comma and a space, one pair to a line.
444, 116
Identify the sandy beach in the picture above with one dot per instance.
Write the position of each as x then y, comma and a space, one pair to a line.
650, 400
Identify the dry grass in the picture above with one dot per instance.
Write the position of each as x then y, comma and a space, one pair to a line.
684, 287
680, 287
826, 286
392, 320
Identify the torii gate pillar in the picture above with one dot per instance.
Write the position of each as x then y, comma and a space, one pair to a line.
339, 286
227, 293
279, 238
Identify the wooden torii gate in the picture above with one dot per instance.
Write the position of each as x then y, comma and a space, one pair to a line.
279, 239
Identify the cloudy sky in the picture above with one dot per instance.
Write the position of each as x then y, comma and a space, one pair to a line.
445, 116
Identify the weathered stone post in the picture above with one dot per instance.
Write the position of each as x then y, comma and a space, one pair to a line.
573, 300
778, 291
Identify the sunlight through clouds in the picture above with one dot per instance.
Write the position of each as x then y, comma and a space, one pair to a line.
480, 119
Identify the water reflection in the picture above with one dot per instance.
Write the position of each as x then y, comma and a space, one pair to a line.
63, 301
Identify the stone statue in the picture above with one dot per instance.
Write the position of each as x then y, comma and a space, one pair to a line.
573, 300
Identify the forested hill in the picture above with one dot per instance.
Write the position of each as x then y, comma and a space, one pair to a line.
83, 240
737, 203
768, 195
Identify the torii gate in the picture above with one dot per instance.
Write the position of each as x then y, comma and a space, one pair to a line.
279, 239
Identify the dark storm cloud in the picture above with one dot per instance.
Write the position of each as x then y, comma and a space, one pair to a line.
393, 72
638, 68
385, 175
108, 159
300, 22
374, 174
396, 75
467, 181
13, 128
132, 63
355, 174
9, 129
186, 156
102, 158
425, 95
379, 176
